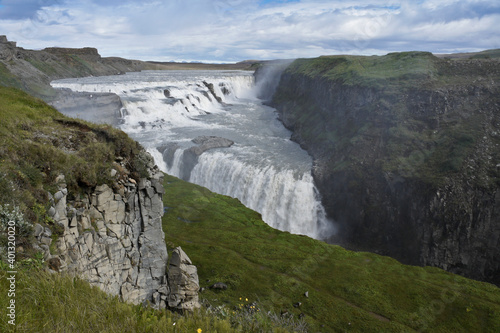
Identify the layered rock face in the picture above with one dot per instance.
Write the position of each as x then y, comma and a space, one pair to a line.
113, 238
407, 166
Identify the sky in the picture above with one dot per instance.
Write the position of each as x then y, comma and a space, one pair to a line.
237, 30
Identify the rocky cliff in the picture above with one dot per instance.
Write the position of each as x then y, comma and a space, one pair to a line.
94, 199
114, 240
406, 152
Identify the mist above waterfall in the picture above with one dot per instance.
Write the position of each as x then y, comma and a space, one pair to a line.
268, 77
244, 151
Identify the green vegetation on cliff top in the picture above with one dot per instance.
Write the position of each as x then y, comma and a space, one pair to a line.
394, 68
38, 144
399, 70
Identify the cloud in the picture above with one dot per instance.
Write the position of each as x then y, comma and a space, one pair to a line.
233, 30
20, 9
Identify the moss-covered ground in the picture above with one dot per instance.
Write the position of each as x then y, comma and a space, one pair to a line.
348, 291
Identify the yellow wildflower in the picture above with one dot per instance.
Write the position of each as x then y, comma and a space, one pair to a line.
199, 330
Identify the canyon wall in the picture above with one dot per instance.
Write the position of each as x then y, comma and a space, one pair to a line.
406, 152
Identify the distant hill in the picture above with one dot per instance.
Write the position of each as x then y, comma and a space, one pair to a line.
32, 71
488, 54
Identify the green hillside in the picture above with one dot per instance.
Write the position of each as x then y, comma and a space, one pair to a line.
38, 144
348, 291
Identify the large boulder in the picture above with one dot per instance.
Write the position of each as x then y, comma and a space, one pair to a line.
183, 282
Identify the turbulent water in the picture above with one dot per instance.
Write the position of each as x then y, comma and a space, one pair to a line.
264, 169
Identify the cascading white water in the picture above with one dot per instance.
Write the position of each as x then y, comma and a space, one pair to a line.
266, 171
280, 196
155, 99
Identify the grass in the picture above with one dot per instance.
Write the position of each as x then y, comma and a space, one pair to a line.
395, 72
56, 303
394, 69
488, 54
38, 144
7, 78
353, 291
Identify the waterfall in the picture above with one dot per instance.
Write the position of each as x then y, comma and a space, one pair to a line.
171, 101
286, 199
169, 111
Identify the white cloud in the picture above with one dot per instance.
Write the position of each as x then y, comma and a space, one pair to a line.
235, 30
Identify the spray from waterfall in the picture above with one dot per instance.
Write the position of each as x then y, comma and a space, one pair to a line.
268, 77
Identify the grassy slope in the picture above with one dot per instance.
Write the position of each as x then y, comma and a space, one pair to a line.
348, 291
374, 71
54, 303
32, 71
38, 144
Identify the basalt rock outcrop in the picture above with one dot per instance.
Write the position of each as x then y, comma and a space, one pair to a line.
183, 281
406, 152
113, 238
